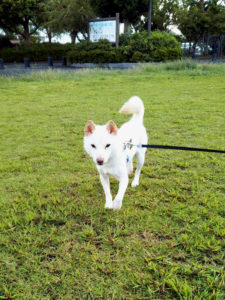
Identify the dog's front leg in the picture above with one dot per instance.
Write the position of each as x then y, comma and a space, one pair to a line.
106, 186
123, 182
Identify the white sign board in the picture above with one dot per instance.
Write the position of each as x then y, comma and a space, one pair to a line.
103, 30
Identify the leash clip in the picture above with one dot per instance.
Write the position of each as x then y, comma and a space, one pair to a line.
128, 145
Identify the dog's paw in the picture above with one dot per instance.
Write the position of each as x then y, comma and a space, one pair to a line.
117, 204
134, 183
109, 205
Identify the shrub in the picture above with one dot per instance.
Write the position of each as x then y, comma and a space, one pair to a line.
159, 46
100, 45
41, 52
124, 39
96, 56
161, 40
36, 52
140, 57
138, 47
166, 54
95, 52
139, 42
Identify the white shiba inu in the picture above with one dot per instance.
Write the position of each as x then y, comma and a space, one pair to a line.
106, 145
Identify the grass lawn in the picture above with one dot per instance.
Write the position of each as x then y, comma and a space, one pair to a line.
56, 239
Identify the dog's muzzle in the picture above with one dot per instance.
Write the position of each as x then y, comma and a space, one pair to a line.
100, 161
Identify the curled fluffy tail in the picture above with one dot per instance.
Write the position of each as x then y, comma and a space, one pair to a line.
134, 106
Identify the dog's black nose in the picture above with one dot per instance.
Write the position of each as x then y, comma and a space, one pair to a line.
100, 161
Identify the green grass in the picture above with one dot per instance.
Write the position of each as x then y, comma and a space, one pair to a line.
58, 242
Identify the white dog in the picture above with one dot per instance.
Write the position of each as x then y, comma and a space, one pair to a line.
106, 144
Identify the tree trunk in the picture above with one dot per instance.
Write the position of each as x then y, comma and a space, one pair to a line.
73, 36
189, 50
49, 34
50, 38
26, 34
126, 26
194, 48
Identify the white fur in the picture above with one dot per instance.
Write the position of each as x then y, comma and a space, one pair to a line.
114, 156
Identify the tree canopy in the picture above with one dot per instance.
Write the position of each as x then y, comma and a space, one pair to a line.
70, 16
21, 17
194, 18
130, 10
198, 18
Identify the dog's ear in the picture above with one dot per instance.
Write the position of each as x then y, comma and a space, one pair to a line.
111, 127
89, 128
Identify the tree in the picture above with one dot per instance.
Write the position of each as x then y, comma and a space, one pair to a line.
130, 10
21, 17
162, 14
199, 18
70, 16
49, 28
216, 14
191, 21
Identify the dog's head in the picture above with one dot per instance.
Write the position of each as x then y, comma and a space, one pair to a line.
99, 140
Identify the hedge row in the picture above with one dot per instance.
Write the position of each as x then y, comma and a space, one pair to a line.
138, 47
36, 52
96, 56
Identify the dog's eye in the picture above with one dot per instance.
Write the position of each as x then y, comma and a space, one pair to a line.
93, 146
107, 146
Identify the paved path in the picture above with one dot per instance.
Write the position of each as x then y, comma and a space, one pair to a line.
18, 69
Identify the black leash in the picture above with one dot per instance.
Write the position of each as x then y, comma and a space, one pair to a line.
181, 148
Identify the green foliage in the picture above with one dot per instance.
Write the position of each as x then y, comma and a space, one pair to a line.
124, 38
164, 47
138, 56
159, 46
163, 12
94, 52
162, 15
161, 40
216, 16
130, 10
86, 51
70, 16
35, 52
139, 42
58, 241
138, 47
96, 56
103, 44
196, 18
166, 54
21, 17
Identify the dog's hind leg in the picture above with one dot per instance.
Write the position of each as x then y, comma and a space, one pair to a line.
140, 162
106, 186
